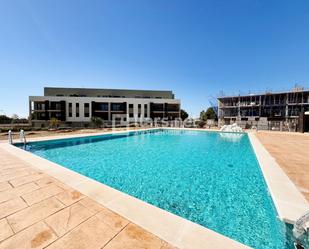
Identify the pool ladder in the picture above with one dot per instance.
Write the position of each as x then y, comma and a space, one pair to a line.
22, 137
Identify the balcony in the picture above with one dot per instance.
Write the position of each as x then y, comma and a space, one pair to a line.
157, 107
172, 108
100, 107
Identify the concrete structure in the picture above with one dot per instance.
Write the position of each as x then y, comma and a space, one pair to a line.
280, 111
76, 106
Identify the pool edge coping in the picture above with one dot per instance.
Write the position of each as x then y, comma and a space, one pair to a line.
288, 200
174, 229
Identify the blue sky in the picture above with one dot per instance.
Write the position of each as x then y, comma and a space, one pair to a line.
195, 48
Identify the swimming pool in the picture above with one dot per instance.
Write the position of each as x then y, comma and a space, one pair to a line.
210, 178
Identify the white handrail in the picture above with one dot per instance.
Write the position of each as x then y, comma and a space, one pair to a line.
10, 137
22, 136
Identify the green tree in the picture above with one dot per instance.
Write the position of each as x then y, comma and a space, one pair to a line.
97, 122
203, 115
209, 114
183, 114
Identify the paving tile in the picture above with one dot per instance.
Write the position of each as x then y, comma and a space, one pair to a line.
42, 194
69, 197
18, 191
43, 182
5, 229
13, 175
12, 165
18, 170
91, 205
112, 219
289, 150
47, 180
68, 218
133, 236
26, 179
5, 186
35, 237
92, 234
166, 245
34, 213
12, 170
11, 206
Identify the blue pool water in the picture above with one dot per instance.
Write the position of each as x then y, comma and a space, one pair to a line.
210, 178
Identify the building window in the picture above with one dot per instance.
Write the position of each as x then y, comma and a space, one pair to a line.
77, 110
101, 107
70, 109
86, 110
157, 107
139, 107
55, 106
145, 110
131, 111
117, 107
39, 106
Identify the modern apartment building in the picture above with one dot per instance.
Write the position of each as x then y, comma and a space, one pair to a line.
76, 106
280, 111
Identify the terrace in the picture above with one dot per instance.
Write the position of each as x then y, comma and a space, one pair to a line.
289, 150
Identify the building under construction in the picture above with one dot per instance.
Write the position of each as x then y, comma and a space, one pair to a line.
285, 111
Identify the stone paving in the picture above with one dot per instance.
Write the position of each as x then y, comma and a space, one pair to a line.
291, 152
37, 211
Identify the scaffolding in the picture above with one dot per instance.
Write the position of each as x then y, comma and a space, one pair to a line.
266, 111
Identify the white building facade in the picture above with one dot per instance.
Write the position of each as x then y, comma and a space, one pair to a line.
77, 106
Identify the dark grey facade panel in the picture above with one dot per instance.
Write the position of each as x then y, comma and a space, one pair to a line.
115, 93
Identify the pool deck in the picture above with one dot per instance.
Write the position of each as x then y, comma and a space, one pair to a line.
289, 201
291, 152
44, 205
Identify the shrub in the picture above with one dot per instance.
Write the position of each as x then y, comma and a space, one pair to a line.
97, 122
54, 123
201, 123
